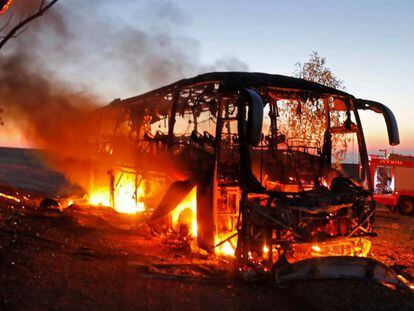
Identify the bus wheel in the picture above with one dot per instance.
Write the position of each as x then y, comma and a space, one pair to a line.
406, 206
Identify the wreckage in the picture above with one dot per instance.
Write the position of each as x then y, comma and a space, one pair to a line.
261, 158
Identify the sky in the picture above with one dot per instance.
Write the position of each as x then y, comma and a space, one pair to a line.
114, 48
368, 44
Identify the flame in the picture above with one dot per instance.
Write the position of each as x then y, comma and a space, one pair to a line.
100, 197
324, 182
186, 213
226, 249
316, 248
128, 198
345, 247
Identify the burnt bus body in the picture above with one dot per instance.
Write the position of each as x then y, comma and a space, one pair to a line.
265, 153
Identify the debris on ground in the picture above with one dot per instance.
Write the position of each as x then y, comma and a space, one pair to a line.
77, 260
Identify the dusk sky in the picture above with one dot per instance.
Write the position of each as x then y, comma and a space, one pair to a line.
368, 45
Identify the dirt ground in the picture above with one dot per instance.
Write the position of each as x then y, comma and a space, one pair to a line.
395, 242
75, 260
78, 261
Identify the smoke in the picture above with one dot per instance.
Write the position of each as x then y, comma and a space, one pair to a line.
80, 55
50, 116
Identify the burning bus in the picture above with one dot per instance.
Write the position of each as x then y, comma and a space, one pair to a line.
249, 164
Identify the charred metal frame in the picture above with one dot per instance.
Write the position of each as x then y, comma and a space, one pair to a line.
261, 220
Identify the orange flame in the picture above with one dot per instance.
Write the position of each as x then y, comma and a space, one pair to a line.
127, 196
100, 197
186, 213
227, 248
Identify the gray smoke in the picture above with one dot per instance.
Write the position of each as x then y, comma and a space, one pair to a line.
81, 54
116, 50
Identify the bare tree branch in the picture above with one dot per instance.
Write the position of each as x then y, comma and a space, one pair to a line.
20, 32
7, 23
15, 30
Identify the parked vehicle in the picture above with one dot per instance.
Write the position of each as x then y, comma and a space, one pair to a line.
393, 178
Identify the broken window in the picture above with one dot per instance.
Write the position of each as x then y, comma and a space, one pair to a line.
384, 180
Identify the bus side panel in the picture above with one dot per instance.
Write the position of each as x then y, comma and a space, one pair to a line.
205, 216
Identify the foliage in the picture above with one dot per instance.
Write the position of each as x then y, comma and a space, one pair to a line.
315, 70
305, 118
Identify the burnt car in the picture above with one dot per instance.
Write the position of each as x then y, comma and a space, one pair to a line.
278, 165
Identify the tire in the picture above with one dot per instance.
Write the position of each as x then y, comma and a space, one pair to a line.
406, 206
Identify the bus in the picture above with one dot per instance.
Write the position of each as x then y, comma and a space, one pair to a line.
257, 157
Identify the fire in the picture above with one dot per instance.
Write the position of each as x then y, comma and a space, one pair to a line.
339, 247
100, 197
127, 197
185, 214
316, 248
227, 248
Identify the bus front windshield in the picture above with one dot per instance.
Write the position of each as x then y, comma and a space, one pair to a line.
306, 143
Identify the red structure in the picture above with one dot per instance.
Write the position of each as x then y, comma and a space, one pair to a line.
393, 180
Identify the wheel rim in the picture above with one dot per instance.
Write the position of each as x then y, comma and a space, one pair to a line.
406, 207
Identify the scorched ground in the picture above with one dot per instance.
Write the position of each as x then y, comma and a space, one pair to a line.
75, 260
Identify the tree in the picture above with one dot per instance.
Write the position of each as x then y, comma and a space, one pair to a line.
315, 70
19, 27
305, 117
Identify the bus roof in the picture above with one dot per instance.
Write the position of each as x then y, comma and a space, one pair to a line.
246, 80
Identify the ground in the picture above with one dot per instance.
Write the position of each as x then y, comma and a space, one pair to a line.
75, 260
395, 242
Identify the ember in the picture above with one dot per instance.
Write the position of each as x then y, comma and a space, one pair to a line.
9, 197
